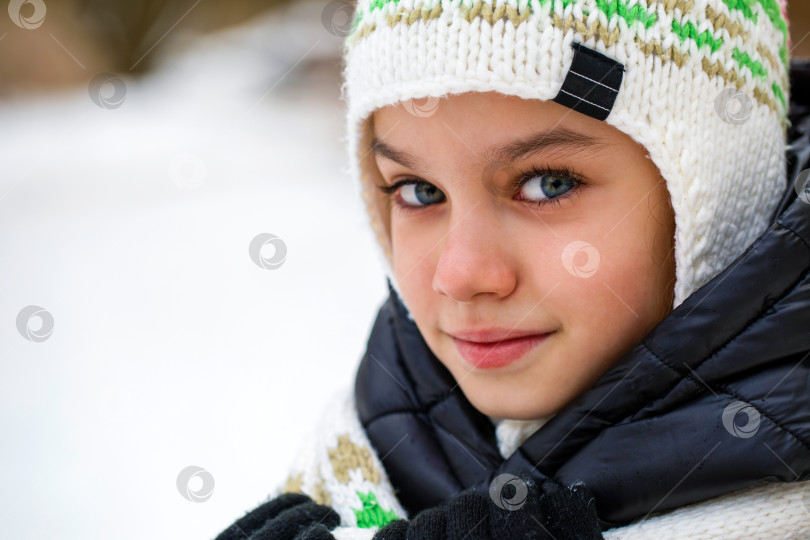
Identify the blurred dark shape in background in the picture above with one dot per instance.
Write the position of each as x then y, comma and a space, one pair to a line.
79, 37
126, 29
91, 36
799, 14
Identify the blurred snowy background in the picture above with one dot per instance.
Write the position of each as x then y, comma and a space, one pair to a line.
144, 144
128, 203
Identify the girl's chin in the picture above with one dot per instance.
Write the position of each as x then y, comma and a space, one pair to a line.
504, 401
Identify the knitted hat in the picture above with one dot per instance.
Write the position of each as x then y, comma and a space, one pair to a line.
701, 84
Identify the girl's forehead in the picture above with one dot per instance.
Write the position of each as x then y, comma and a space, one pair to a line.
405, 138
484, 113
506, 149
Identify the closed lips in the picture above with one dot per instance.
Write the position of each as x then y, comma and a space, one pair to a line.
500, 352
494, 335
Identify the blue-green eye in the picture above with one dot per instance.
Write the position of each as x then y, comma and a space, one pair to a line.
415, 194
421, 194
546, 186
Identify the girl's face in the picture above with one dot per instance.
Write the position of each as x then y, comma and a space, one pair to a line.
515, 215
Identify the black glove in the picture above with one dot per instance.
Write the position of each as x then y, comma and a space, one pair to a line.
290, 516
521, 509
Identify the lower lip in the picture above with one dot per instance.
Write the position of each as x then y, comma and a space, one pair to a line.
497, 354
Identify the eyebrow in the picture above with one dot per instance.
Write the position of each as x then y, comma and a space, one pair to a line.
561, 138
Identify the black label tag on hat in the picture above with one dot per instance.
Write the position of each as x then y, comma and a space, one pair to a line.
592, 83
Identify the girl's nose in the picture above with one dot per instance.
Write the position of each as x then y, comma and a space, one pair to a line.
474, 259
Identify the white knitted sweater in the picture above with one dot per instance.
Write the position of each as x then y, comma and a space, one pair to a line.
337, 466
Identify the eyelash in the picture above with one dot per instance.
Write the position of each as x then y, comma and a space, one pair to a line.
525, 176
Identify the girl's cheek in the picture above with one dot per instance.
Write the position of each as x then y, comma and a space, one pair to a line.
414, 263
601, 284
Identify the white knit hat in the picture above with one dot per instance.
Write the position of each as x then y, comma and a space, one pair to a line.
682, 65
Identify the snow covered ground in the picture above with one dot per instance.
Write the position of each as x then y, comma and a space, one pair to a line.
171, 347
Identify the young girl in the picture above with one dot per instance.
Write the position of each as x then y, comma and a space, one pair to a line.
597, 243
